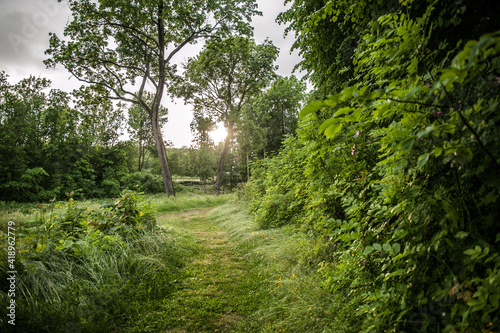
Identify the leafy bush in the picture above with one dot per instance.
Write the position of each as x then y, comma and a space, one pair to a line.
145, 182
402, 190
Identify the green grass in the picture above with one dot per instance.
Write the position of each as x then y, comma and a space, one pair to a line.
220, 288
243, 279
209, 270
185, 200
102, 282
296, 301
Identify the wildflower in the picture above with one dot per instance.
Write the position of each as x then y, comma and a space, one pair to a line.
353, 149
428, 85
434, 113
364, 262
440, 114
357, 133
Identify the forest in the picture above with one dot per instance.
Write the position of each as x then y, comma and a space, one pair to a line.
361, 197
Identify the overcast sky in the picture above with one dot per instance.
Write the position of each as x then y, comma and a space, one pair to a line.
24, 29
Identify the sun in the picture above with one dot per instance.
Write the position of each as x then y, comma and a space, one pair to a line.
219, 134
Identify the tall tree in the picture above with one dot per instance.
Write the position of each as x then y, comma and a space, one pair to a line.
116, 43
223, 78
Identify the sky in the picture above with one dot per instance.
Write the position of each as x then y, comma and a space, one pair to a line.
24, 36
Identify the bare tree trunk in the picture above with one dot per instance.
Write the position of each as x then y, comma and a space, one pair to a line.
141, 157
166, 175
248, 169
222, 158
160, 145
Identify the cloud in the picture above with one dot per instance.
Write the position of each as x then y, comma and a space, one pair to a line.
266, 27
24, 30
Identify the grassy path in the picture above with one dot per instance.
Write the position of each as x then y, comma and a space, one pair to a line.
220, 289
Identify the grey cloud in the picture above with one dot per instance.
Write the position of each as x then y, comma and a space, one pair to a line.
24, 29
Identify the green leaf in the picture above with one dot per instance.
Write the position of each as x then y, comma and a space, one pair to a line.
387, 247
396, 247
407, 144
428, 130
312, 107
368, 250
356, 115
461, 234
470, 252
377, 247
327, 123
348, 92
343, 110
413, 91
332, 130
437, 151
422, 160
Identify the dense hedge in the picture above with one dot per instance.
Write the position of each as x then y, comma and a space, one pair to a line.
397, 175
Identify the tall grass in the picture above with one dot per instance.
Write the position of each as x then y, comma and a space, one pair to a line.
102, 282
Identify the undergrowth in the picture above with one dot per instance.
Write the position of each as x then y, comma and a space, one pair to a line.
90, 269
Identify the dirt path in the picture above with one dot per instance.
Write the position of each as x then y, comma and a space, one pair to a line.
218, 289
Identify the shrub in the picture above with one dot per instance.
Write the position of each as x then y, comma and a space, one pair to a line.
145, 182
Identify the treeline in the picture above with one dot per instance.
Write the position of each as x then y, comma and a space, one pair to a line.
54, 142
395, 166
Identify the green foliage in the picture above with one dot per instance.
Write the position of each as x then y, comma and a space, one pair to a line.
222, 79
145, 182
395, 171
111, 45
61, 149
270, 117
79, 268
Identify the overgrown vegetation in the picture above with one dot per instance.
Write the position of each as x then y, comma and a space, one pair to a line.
90, 269
377, 211
394, 171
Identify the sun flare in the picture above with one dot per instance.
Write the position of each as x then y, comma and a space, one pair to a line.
219, 134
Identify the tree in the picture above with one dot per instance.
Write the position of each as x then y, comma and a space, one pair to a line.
115, 44
273, 115
224, 78
101, 120
140, 129
201, 126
